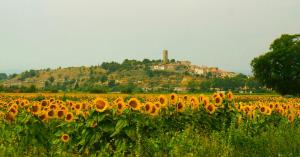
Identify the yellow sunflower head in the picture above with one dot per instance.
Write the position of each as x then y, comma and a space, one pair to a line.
194, 102
154, 111
148, 107
291, 118
101, 105
43, 116
218, 100
222, 95
185, 98
174, 98
78, 106
211, 108
230, 95
69, 117
121, 106
180, 106
134, 104
44, 103
206, 101
36, 108
65, 138
163, 100
51, 113
60, 114
10, 116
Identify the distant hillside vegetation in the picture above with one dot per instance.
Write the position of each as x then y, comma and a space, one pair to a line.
127, 77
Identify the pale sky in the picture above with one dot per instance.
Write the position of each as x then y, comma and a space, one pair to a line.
37, 34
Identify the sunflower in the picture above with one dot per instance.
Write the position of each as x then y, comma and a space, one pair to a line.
64, 108
222, 95
163, 100
218, 100
43, 116
69, 117
78, 106
10, 116
154, 111
119, 99
185, 98
180, 106
291, 118
22, 103
65, 138
45, 103
18, 101
194, 102
157, 105
211, 108
230, 95
13, 110
53, 106
101, 105
15, 106
265, 110
174, 98
84, 106
269, 111
60, 114
121, 106
206, 101
51, 113
36, 108
201, 97
134, 103
148, 107
215, 95
246, 108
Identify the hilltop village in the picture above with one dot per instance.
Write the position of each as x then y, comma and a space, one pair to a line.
168, 75
187, 66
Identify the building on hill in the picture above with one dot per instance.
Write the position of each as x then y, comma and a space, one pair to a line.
187, 66
186, 63
165, 57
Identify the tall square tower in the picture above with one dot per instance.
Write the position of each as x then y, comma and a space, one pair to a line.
165, 57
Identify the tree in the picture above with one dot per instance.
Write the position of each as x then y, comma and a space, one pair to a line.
28, 74
3, 76
279, 68
111, 67
103, 78
51, 79
193, 86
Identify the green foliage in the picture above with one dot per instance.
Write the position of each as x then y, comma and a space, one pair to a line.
279, 68
3, 76
230, 83
19, 89
28, 74
111, 67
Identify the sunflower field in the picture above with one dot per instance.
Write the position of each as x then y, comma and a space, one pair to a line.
220, 124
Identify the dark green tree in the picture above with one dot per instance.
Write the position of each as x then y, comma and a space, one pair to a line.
3, 76
279, 68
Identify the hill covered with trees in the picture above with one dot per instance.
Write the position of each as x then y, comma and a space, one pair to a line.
130, 76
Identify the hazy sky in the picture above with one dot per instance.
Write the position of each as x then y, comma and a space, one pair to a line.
38, 34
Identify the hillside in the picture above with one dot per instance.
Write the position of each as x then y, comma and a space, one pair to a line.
130, 76
137, 74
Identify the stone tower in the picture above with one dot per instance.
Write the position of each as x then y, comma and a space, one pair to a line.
165, 57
